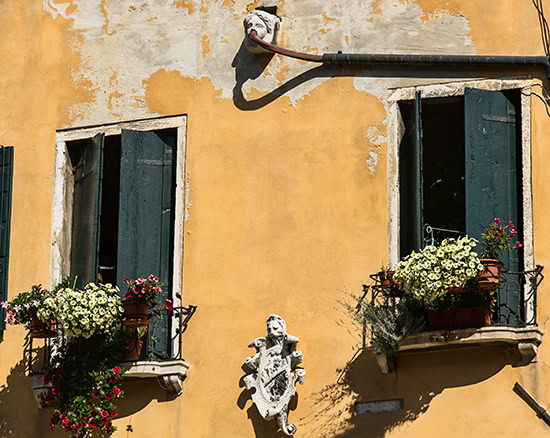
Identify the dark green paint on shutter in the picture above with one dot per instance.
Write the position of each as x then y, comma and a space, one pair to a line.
87, 162
493, 175
146, 217
419, 176
410, 177
6, 181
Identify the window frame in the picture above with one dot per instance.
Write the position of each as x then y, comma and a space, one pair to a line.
395, 134
63, 187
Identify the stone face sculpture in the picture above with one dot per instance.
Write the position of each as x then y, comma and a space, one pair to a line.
266, 26
274, 372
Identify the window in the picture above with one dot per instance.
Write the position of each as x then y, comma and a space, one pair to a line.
122, 196
459, 158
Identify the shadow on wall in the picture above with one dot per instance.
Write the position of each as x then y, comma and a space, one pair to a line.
362, 381
21, 417
18, 407
263, 428
249, 66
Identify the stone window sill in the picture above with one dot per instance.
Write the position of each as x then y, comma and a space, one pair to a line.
524, 341
169, 373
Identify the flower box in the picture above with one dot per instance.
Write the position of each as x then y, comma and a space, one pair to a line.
465, 317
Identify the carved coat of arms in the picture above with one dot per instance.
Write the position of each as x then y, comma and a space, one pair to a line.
274, 372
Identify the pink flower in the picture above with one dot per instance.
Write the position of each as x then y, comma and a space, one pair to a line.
116, 391
116, 370
512, 232
4, 304
518, 244
511, 225
104, 414
497, 220
153, 278
169, 304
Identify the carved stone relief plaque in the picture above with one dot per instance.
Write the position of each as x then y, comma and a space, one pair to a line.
275, 372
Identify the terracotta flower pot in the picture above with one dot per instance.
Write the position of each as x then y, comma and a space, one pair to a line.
489, 278
132, 349
466, 317
39, 329
135, 315
388, 285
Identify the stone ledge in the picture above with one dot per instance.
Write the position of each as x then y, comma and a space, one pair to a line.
524, 340
172, 372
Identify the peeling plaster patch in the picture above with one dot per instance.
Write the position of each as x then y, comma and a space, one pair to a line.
119, 36
188, 4
283, 73
58, 9
106, 15
205, 43
251, 6
372, 162
374, 136
188, 201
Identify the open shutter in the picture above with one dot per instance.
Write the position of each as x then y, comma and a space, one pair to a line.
145, 229
86, 208
411, 178
492, 188
6, 178
419, 176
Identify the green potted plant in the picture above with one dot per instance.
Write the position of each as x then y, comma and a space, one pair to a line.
430, 273
82, 313
139, 298
23, 309
496, 239
386, 282
85, 383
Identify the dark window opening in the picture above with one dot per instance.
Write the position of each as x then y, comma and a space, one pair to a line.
459, 168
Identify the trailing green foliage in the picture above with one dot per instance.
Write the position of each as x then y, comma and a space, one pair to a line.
386, 326
85, 379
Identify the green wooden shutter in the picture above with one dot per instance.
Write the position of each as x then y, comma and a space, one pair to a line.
6, 179
146, 225
492, 187
410, 178
419, 176
88, 163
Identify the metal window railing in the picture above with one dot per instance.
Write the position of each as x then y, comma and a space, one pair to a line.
515, 301
38, 352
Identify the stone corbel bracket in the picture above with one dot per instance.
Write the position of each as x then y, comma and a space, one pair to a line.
523, 341
171, 373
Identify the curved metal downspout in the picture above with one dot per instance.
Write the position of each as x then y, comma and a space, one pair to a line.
377, 59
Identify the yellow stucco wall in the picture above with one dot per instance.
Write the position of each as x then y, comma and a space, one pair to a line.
287, 199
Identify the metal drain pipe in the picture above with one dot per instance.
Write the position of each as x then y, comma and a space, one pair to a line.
416, 60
